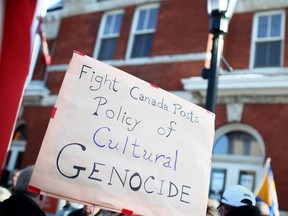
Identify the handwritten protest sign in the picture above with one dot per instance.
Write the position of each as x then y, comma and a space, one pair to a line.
121, 143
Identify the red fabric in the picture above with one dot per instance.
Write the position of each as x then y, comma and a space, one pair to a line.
33, 189
54, 112
127, 212
79, 53
14, 65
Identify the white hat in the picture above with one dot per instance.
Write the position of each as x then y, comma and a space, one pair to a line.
238, 195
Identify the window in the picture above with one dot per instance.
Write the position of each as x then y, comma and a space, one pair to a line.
217, 183
17, 149
247, 179
268, 37
237, 143
108, 35
238, 156
143, 30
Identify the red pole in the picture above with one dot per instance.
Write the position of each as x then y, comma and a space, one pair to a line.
14, 66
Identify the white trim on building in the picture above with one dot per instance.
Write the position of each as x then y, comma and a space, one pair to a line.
241, 84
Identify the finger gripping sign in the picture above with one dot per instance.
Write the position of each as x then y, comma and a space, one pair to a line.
120, 143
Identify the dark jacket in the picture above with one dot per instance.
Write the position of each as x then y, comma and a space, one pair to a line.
247, 210
20, 205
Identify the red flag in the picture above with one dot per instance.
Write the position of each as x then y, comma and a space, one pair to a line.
17, 19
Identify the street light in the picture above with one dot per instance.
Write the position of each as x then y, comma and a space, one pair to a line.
220, 13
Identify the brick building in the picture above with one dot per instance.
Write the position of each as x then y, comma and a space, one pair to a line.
167, 43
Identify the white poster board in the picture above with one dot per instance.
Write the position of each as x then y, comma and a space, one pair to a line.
121, 143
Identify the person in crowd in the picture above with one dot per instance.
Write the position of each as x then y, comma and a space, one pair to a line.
22, 202
14, 178
67, 208
4, 194
13, 181
88, 210
212, 207
264, 208
238, 200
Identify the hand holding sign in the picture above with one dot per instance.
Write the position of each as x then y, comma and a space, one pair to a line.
121, 143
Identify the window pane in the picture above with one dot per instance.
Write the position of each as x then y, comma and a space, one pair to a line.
237, 143
108, 39
274, 54
247, 179
118, 23
142, 45
152, 18
113, 24
144, 33
141, 20
217, 183
261, 50
275, 26
246, 146
107, 49
147, 19
262, 27
221, 147
268, 54
108, 24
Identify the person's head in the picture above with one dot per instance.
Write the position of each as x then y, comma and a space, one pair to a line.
15, 177
89, 210
23, 183
264, 208
4, 194
212, 207
236, 197
23, 180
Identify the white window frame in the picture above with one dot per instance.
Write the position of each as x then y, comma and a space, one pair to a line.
134, 31
254, 39
240, 158
100, 35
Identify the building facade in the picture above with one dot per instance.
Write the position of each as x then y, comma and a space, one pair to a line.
167, 43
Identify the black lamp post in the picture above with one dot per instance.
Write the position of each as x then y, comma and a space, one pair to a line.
220, 13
